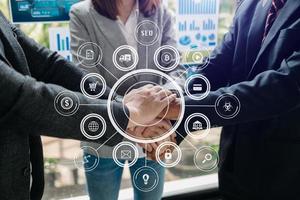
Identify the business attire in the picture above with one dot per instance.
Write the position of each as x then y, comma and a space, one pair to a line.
258, 62
87, 25
31, 76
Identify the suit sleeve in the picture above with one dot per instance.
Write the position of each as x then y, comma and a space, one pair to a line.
221, 59
28, 105
270, 94
48, 66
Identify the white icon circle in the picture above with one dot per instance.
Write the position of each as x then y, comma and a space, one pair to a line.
134, 73
147, 33
227, 106
199, 58
168, 161
66, 103
199, 88
86, 162
197, 125
93, 126
128, 156
92, 86
89, 54
145, 179
206, 159
167, 58
132, 58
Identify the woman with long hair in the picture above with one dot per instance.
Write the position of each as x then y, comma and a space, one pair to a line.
111, 24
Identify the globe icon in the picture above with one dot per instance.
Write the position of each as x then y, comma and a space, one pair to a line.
93, 126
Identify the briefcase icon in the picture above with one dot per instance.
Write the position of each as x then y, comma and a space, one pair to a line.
125, 154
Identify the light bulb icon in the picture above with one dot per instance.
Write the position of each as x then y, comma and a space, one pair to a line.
146, 178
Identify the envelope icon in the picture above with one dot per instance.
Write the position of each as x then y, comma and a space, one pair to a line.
125, 154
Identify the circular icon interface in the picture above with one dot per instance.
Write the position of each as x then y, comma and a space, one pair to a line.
206, 159
93, 126
147, 76
197, 126
227, 106
145, 179
147, 33
125, 151
93, 86
199, 58
66, 103
89, 54
168, 154
125, 58
166, 58
197, 87
87, 162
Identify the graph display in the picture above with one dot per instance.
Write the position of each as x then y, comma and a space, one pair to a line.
197, 22
196, 7
59, 39
40, 10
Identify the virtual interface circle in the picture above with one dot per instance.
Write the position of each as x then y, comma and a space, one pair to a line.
145, 179
86, 162
169, 159
125, 151
93, 126
66, 103
166, 58
148, 76
206, 159
147, 33
197, 87
89, 54
197, 126
199, 58
93, 85
227, 106
125, 58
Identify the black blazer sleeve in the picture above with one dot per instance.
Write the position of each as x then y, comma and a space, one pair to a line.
270, 94
48, 66
221, 58
28, 105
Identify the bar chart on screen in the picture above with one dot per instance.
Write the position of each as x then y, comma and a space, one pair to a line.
197, 22
59, 39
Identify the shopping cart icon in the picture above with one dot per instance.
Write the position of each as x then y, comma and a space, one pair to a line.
93, 86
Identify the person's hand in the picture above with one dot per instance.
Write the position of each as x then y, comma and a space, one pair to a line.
151, 152
171, 112
146, 103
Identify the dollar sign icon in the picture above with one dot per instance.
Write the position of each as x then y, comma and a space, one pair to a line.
66, 103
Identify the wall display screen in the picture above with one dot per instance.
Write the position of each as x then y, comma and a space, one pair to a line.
197, 24
40, 10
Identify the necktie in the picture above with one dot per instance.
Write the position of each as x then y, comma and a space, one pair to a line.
272, 15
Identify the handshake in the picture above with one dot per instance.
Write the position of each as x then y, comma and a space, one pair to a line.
151, 109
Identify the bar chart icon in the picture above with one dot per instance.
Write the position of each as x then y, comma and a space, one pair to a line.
209, 25
194, 7
63, 42
59, 38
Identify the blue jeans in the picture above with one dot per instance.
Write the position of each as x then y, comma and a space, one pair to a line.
103, 183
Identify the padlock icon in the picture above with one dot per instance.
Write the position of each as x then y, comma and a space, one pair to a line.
168, 154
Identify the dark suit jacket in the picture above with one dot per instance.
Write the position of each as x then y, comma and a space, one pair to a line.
30, 78
260, 148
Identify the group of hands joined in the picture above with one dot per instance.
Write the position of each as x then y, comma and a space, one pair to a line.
151, 109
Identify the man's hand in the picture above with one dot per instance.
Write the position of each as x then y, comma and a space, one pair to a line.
161, 127
171, 112
146, 103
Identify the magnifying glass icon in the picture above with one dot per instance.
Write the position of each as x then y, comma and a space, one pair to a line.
207, 157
